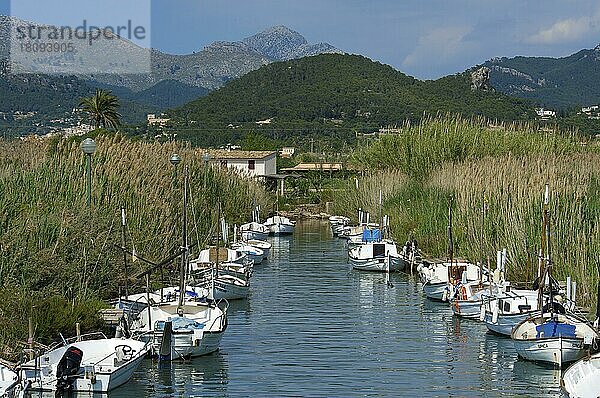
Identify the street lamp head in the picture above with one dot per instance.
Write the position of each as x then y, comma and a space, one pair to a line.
88, 146
206, 157
175, 159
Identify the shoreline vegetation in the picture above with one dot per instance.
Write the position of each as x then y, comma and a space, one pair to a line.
466, 161
57, 256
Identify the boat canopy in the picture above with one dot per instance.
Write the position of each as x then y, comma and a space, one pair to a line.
371, 235
555, 329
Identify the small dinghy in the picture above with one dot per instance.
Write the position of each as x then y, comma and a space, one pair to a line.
279, 225
8, 381
254, 230
93, 365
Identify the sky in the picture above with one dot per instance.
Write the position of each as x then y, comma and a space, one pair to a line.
424, 38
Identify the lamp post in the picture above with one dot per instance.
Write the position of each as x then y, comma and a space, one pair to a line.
175, 160
206, 159
88, 146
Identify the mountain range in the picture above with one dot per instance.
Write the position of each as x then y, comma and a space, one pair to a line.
558, 83
174, 81
227, 69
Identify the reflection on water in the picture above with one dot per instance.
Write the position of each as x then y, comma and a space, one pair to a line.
314, 327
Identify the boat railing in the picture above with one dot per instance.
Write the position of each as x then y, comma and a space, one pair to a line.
75, 339
221, 318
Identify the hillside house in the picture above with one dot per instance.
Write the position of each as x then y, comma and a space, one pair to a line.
154, 120
545, 114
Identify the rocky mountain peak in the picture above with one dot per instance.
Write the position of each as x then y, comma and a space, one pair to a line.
281, 43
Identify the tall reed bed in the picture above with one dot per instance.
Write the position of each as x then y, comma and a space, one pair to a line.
422, 148
53, 247
469, 163
513, 190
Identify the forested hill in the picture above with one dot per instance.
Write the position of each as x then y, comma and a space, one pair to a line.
348, 90
554, 82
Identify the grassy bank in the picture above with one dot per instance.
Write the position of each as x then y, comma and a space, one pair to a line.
468, 161
57, 257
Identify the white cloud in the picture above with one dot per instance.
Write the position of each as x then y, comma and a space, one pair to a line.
566, 30
438, 45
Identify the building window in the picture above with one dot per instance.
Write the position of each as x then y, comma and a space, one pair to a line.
251, 164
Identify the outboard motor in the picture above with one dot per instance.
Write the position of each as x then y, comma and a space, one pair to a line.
67, 369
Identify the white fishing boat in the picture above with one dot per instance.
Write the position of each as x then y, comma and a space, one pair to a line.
468, 298
337, 224
254, 230
222, 282
196, 323
440, 278
209, 256
8, 381
379, 256
553, 338
252, 252
279, 225
580, 380
93, 365
509, 308
437, 284
262, 245
196, 329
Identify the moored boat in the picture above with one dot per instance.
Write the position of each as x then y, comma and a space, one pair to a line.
381, 256
94, 365
252, 252
262, 245
580, 380
553, 338
279, 225
8, 381
254, 230
437, 284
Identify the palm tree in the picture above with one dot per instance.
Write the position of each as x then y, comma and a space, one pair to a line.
102, 109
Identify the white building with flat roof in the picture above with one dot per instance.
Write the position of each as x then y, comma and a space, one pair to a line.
251, 163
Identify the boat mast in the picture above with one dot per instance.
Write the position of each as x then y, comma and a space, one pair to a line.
450, 243
481, 242
548, 251
123, 227
218, 236
382, 225
544, 258
184, 241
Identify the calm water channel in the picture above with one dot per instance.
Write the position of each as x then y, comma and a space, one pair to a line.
313, 327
